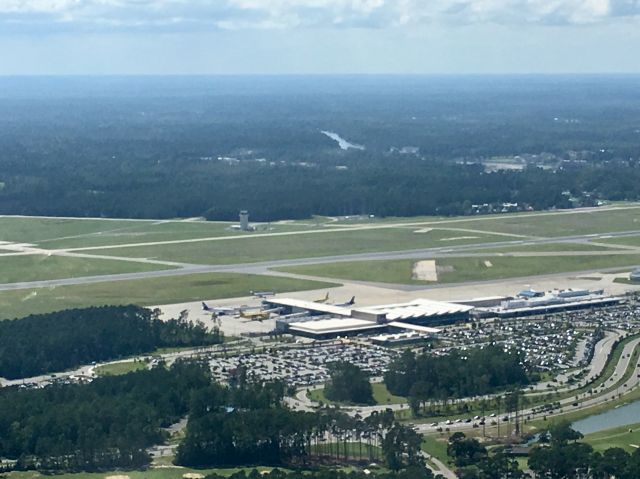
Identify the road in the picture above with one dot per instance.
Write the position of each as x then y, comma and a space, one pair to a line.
302, 402
566, 404
601, 353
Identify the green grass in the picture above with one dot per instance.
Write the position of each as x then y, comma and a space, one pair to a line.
145, 292
567, 223
615, 437
436, 446
327, 243
623, 240
546, 248
393, 271
35, 230
116, 369
42, 267
464, 268
54, 233
381, 395
523, 463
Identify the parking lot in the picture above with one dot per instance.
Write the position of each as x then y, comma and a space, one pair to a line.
304, 366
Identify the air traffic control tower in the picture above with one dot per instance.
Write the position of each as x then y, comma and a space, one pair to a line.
244, 220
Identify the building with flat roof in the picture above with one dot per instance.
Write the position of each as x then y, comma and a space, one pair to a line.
331, 328
549, 302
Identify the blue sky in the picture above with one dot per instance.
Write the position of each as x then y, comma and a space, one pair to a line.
318, 36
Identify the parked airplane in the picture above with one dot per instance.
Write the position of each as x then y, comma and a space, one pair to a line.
351, 302
322, 300
258, 315
262, 294
220, 311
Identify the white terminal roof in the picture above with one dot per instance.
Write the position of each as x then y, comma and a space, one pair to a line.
413, 327
418, 308
311, 306
334, 325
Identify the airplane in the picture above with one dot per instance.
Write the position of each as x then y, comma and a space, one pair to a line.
220, 311
258, 315
262, 294
322, 300
351, 302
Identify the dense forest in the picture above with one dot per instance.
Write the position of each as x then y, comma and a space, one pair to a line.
473, 372
207, 146
105, 424
248, 425
57, 341
112, 422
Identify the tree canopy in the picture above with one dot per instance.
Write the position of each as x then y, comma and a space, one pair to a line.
57, 341
106, 424
457, 374
348, 383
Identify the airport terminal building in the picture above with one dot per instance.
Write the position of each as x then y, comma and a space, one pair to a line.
324, 321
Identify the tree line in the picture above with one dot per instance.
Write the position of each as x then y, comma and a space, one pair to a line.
380, 186
415, 472
477, 371
557, 455
57, 341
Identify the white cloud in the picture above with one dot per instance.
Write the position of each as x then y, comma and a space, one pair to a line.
34, 15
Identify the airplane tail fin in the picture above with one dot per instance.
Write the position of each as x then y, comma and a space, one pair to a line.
205, 307
352, 300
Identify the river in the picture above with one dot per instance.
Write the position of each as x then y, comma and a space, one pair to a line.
344, 144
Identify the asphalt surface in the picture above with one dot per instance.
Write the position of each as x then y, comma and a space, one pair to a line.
264, 267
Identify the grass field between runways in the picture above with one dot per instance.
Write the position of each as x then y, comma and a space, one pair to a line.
15, 269
463, 269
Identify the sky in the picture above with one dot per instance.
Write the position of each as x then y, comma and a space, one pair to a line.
141, 37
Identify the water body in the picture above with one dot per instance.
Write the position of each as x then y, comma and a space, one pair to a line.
622, 416
344, 144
